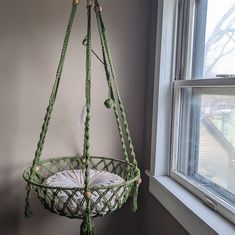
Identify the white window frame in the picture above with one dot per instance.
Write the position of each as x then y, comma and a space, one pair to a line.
190, 211
213, 201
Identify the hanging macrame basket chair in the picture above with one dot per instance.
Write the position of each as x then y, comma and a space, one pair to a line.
86, 186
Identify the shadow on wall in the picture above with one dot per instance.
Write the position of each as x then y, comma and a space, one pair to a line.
12, 203
10, 61
9, 204
120, 222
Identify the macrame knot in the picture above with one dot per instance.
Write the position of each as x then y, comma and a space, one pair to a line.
109, 103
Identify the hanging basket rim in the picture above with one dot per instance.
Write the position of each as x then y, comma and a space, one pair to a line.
26, 174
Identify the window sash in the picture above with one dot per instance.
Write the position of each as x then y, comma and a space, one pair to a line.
195, 182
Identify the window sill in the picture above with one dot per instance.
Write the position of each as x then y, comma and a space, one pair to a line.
187, 209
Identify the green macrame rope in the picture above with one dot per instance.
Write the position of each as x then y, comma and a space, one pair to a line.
86, 148
47, 118
87, 227
112, 96
27, 211
127, 169
123, 123
134, 205
108, 59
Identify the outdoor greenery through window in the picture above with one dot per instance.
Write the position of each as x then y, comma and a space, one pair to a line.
203, 139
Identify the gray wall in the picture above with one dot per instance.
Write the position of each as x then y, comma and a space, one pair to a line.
30, 44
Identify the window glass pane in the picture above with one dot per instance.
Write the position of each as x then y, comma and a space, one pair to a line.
220, 38
206, 148
217, 40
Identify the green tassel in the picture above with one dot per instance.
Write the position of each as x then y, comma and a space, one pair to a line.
134, 206
27, 211
87, 226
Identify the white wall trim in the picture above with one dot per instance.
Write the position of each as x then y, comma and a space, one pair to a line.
163, 88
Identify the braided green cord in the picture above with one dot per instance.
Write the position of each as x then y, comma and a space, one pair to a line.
121, 134
131, 147
107, 50
50, 106
87, 227
86, 153
55, 87
112, 94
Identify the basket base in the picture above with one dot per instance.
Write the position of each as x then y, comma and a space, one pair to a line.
75, 202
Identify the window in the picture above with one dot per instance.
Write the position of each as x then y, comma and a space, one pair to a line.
193, 140
203, 140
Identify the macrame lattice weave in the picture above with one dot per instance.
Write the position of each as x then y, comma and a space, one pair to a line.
110, 197
47, 195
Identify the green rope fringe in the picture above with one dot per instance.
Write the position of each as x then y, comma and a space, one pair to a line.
87, 226
134, 205
27, 210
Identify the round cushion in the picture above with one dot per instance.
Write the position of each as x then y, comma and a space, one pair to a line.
77, 204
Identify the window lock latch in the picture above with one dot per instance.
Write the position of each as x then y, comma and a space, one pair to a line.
210, 203
225, 75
